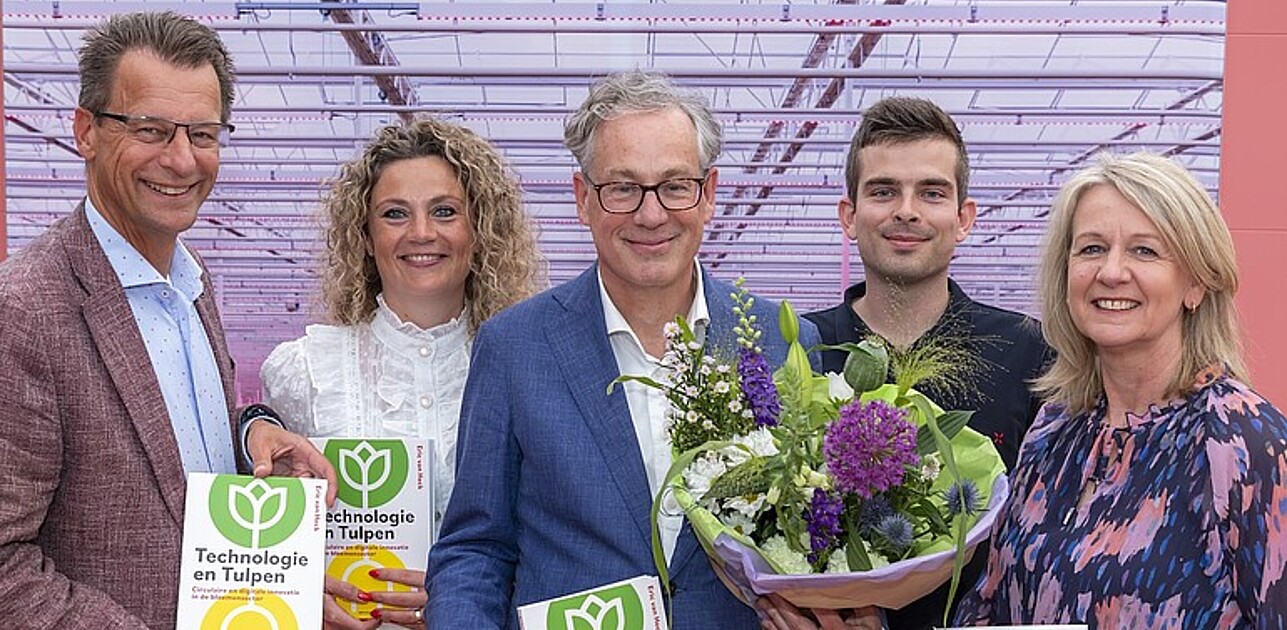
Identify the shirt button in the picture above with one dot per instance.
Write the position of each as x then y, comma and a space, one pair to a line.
426, 402
425, 351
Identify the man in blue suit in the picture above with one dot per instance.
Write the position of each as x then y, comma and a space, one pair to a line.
555, 476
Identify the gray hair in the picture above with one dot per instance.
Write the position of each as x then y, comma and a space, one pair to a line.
639, 91
177, 40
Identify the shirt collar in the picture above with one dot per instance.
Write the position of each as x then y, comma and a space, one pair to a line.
697, 311
133, 270
406, 336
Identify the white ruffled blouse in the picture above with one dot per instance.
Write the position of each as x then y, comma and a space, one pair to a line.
385, 378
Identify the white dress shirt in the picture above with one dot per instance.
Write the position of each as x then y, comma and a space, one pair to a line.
165, 311
648, 406
383, 378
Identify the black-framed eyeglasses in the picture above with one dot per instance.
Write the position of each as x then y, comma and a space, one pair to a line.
676, 195
153, 130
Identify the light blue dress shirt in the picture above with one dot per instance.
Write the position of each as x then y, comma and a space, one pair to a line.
166, 313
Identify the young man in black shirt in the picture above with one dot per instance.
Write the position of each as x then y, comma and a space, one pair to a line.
906, 208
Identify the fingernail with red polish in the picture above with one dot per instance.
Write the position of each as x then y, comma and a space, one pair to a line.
375, 573
375, 614
364, 596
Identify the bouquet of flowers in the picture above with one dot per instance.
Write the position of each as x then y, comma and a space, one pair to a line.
833, 491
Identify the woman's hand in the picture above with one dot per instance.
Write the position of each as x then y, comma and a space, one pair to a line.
336, 618
778, 614
410, 606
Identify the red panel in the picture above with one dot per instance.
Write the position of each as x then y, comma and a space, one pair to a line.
1255, 134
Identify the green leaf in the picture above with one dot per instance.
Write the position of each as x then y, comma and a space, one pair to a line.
950, 423
637, 379
855, 551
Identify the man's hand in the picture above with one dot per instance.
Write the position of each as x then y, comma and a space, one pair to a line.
778, 614
280, 453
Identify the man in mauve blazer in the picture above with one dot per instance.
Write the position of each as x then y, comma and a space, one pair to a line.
555, 476
96, 433
91, 508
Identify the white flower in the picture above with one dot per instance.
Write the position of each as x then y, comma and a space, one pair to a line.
691, 391
783, 557
734, 406
693, 345
705, 370
723, 368
721, 387
760, 441
692, 416
838, 388
930, 467
671, 330
699, 474
748, 509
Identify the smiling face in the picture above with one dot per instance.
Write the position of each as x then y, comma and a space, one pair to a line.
1127, 290
652, 248
905, 218
150, 193
421, 237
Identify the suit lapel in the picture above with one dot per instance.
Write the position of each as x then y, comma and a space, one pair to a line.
579, 340
111, 322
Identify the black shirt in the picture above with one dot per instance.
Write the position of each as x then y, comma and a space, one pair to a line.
1012, 353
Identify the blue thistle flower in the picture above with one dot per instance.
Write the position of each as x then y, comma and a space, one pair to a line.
963, 497
897, 532
872, 512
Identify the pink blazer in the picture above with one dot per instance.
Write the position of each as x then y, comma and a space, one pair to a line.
91, 484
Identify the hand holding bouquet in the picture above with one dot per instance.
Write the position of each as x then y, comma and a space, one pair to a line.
832, 491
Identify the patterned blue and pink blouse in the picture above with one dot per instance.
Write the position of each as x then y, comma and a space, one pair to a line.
1183, 523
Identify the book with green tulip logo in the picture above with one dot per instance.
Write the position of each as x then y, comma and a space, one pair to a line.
383, 516
252, 553
634, 604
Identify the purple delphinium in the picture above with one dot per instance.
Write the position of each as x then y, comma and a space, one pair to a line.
757, 385
868, 446
823, 519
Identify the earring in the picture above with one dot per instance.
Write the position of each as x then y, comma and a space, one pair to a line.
1190, 307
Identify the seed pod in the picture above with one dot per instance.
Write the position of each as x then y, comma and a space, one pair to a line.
866, 367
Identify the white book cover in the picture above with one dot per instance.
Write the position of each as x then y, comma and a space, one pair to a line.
634, 604
383, 515
252, 553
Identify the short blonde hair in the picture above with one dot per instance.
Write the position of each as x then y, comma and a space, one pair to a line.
505, 267
1191, 227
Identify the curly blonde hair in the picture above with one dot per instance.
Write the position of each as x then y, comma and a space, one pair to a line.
1191, 226
505, 267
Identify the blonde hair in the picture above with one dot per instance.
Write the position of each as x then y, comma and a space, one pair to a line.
505, 267
1191, 227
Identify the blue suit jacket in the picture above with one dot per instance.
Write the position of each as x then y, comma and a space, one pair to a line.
551, 496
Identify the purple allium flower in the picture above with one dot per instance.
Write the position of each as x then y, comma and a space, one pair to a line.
963, 497
868, 446
897, 531
823, 518
758, 387
872, 512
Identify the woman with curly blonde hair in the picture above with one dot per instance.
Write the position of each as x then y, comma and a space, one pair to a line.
426, 239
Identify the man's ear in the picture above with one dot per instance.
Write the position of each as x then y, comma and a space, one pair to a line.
846, 209
965, 217
83, 130
581, 191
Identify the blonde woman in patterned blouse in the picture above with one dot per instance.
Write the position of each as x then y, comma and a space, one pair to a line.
426, 239
1151, 491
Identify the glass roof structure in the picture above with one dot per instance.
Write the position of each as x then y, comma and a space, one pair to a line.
1038, 88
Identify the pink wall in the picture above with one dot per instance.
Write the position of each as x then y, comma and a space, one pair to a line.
1251, 169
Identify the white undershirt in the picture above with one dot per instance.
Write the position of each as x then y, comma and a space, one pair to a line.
648, 406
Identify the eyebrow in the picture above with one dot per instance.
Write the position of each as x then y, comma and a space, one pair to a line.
890, 181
